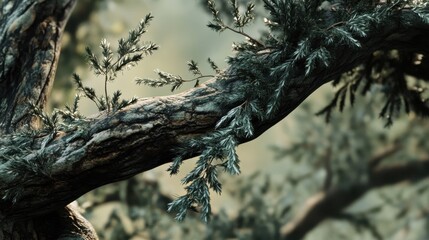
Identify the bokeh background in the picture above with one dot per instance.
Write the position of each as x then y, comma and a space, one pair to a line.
280, 170
179, 28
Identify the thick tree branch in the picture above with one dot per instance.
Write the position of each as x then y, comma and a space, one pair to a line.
148, 133
30, 37
30, 41
144, 135
329, 203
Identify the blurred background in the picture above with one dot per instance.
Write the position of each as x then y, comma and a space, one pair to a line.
281, 170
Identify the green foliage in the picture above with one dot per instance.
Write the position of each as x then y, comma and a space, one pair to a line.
239, 20
325, 157
302, 40
136, 208
390, 71
50, 123
128, 54
218, 153
71, 114
14, 148
320, 157
177, 81
16, 167
214, 66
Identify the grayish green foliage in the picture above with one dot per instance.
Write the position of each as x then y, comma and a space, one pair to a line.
320, 156
15, 147
129, 53
301, 37
176, 81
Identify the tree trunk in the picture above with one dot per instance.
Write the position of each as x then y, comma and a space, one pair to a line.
65, 223
147, 134
30, 43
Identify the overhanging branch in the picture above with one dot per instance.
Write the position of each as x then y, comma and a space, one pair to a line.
147, 134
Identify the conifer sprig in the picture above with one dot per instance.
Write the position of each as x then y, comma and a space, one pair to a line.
219, 154
303, 38
71, 113
128, 54
177, 81
50, 123
240, 20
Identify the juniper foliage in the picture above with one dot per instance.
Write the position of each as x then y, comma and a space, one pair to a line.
128, 54
267, 200
15, 147
177, 81
302, 40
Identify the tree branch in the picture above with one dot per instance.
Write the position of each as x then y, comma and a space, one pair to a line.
332, 202
30, 41
142, 136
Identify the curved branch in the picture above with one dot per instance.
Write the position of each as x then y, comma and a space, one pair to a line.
149, 133
330, 203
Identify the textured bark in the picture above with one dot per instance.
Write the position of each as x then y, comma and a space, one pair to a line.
135, 139
30, 41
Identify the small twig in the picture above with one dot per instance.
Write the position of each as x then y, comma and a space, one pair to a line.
245, 34
105, 92
197, 78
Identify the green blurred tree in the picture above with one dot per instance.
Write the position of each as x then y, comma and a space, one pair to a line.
354, 181
45, 163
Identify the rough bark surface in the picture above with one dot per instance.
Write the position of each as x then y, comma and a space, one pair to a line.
135, 139
30, 41
30, 45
